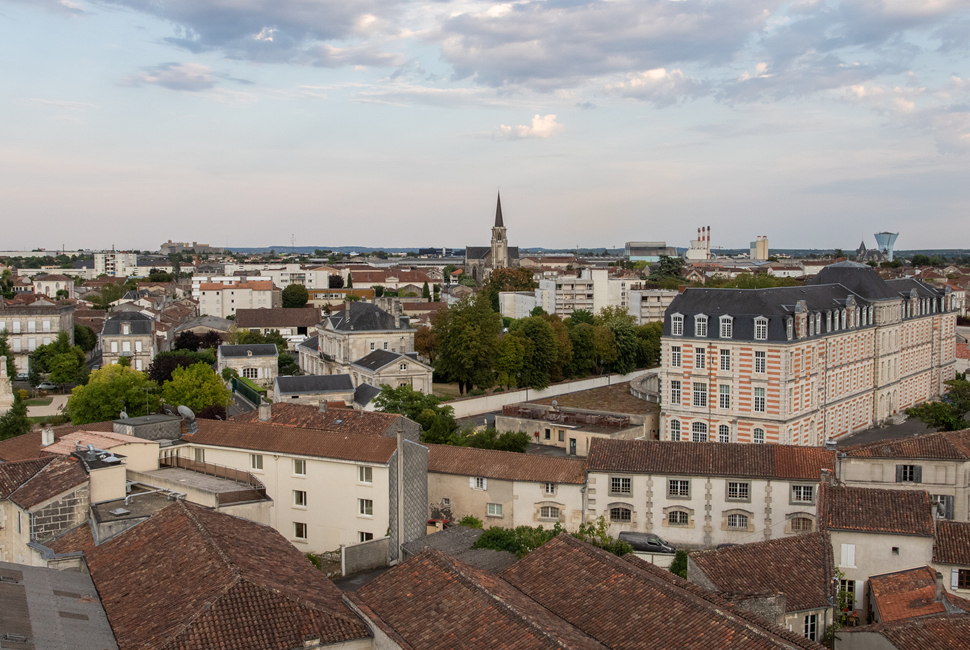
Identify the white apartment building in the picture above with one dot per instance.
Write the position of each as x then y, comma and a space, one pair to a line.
283, 275
116, 264
222, 300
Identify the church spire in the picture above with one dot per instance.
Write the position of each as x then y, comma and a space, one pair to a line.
498, 213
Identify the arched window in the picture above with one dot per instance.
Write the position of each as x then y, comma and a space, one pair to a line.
724, 433
620, 514
549, 512
698, 431
251, 373
678, 518
737, 522
800, 525
759, 436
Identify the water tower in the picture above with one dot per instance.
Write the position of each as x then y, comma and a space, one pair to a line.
885, 241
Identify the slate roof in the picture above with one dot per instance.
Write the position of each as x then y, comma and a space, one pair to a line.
314, 384
945, 445
952, 543
212, 322
499, 223
202, 579
258, 350
381, 359
904, 287
504, 465
362, 317
709, 459
278, 317
943, 632
801, 567
859, 278
905, 594
870, 510
304, 416
312, 343
270, 438
457, 542
364, 393
139, 323
61, 474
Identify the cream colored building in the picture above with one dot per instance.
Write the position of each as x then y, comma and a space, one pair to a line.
131, 335
33, 325
707, 494
259, 362
573, 430
380, 368
505, 488
50, 285
222, 300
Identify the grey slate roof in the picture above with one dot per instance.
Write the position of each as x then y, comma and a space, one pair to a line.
498, 213
55, 610
862, 279
312, 343
905, 286
258, 350
362, 317
365, 393
378, 359
457, 542
140, 324
479, 252
315, 384
212, 322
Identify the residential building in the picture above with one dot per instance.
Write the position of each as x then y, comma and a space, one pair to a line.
480, 261
116, 264
28, 326
800, 365
129, 334
938, 463
216, 299
648, 251
401, 280
54, 286
788, 580
314, 390
346, 421
170, 247
939, 632
329, 298
564, 594
330, 487
705, 494
874, 532
951, 555
283, 275
520, 304
504, 488
910, 594
259, 362
287, 321
384, 368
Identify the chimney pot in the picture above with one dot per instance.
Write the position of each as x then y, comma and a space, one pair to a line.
265, 411
47, 437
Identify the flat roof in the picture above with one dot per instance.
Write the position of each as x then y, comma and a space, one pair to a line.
197, 480
607, 399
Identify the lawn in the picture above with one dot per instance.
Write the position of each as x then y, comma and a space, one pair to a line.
40, 401
446, 391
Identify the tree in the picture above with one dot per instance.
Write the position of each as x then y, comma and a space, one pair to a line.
110, 391
378, 290
426, 291
197, 387
449, 269
537, 311
187, 340
921, 260
649, 336
110, 292
581, 316
540, 351
679, 566
838, 253
582, 340
286, 365
350, 280
15, 421
949, 414
518, 279
508, 362
669, 267
211, 339
66, 368
11, 368
467, 335
425, 343
67, 359
604, 347
295, 296
437, 422
164, 364
515, 441
85, 338
335, 282
627, 346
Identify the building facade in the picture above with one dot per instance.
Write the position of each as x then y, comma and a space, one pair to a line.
115, 264
129, 334
223, 300
800, 365
28, 326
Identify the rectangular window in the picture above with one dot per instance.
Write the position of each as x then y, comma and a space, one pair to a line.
739, 491
699, 358
761, 329
550, 488
724, 433
126, 346
943, 504
700, 394
760, 365
678, 518
199, 454
677, 325
549, 512
495, 510
114, 346
365, 507
562, 436
299, 530
909, 474
737, 522
620, 485
675, 356
725, 359
365, 475
698, 431
727, 328
848, 556
811, 627
479, 483
299, 498
724, 396
847, 591
759, 400
675, 392
963, 578
371, 345
548, 434
299, 467
31, 326
364, 537
385, 345
700, 326
256, 461
803, 493
678, 488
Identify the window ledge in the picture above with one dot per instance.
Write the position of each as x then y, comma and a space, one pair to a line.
298, 540
495, 516
681, 498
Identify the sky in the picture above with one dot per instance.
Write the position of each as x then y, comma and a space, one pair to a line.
394, 122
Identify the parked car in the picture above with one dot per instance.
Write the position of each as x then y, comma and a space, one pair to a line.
646, 542
46, 385
22, 376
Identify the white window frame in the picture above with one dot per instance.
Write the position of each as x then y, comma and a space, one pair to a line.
478, 483
700, 326
550, 513
621, 485
700, 358
675, 430
761, 329
495, 510
365, 475
739, 491
699, 394
365, 507
758, 436
678, 488
724, 433
677, 325
299, 464
676, 356
760, 362
798, 494
300, 531
727, 327
725, 359
760, 401
676, 394
734, 519
256, 462
549, 488
299, 498
724, 396
698, 431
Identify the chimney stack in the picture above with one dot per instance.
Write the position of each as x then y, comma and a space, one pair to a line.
47, 437
265, 410
323, 406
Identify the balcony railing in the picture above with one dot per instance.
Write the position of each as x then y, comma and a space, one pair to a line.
256, 493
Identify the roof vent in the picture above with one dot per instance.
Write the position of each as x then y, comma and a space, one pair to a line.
190, 424
4, 578
119, 512
16, 638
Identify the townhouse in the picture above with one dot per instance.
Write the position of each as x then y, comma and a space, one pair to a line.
801, 365
131, 335
29, 326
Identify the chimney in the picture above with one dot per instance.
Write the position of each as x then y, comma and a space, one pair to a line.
47, 437
323, 406
265, 411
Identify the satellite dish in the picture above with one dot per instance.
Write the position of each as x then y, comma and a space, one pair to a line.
555, 404
186, 412
123, 415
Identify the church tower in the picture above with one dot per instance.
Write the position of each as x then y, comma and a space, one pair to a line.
500, 243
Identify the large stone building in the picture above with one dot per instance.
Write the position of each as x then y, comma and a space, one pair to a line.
480, 261
28, 326
129, 334
800, 365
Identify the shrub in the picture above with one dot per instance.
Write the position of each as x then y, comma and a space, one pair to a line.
679, 567
475, 392
315, 560
499, 390
471, 521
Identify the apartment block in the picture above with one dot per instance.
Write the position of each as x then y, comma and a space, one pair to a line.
222, 300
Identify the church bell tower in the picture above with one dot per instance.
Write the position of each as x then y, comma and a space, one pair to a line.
500, 243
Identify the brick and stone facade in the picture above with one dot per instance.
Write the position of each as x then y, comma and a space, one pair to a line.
60, 515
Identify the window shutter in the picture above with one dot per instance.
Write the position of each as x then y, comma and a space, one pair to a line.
844, 560
948, 504
919, 473
471, 482
899, 473
954, 578
484, 483
851, 554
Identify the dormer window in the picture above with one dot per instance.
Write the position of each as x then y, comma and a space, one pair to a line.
126, 329
700, 326
677, 325
761, 328
249, 353
828, 321
811, 325
870, 315
727, 327
843, 319
790, 328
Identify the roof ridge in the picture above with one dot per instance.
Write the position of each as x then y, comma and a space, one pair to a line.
53, 459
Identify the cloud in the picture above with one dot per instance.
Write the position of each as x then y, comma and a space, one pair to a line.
64, 105
541, 127
658, 86
328, 56
190, 77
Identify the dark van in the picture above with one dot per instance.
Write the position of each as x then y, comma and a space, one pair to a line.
646, 543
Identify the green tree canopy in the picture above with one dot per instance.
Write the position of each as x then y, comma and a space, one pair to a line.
426, 291
197, 387
541, 354
14, 422
109, 391
581, 316
949, 414
467, 335
5, 351
295, 296
64, 362
85, 338
669, 267
437, 422
508, 362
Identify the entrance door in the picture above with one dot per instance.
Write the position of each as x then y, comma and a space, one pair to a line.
572, 446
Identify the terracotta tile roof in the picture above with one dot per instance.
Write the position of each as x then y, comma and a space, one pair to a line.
627, 603
57, 477
278, 317
29, 445
100, 439
270, 438
870, 510
13, 475
709, 459
190, 578
472, 609
963, 351
945, 445
78, 539
801, 567
505, 465
905, 594
952, 544
304, 416
944, 632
